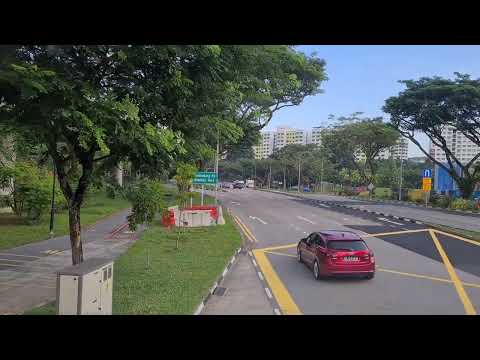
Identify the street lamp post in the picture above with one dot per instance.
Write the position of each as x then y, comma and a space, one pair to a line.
401, 179
52, 209
321, 178
299, 173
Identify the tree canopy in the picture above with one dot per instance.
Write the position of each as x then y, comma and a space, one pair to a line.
96, 106
430, 105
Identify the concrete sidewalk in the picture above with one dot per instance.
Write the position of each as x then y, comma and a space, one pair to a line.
28, 273
244, 293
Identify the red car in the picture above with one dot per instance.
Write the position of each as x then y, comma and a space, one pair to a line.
334, 252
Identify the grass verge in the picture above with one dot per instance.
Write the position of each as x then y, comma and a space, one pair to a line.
153, 277
14, 232
469, 234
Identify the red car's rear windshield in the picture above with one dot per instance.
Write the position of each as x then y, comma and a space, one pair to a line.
347, 245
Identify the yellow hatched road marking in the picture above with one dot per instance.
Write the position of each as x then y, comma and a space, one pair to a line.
467, 304
285, 301
396, 233
458, 237
277, 253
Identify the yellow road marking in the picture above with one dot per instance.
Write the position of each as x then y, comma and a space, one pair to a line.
279, 247
396, 233
394, 272
467, 304
277, 253
457, 237
243, 229
248, 230
424, 277
285, 301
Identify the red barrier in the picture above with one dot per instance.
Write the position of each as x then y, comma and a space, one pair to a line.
213, 209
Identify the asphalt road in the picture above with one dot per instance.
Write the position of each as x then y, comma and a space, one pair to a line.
419, 271
433, 216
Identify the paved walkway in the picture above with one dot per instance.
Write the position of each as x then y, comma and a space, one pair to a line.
244, 294
28, 272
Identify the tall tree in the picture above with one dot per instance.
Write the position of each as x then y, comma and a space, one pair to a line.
430, 105
357, 142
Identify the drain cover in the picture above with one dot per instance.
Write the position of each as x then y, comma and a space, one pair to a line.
220, 291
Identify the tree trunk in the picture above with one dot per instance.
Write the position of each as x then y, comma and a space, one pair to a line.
466, 187
75, 233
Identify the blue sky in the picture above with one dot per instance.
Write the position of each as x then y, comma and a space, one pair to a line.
361, 77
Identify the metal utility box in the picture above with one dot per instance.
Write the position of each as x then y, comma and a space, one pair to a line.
85, 289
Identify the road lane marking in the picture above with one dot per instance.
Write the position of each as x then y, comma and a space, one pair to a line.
467, 304
457, 237
305, 219
390, 221
277, 312
283, 297
256, 218
254, 263
324, 205
396, 232
244, 229
269, 294
282, 254
424, 277
279, 247
260, 275
7, 254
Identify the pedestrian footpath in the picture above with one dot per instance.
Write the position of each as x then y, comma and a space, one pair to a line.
28, 272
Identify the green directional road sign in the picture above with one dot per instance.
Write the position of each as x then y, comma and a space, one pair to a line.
203, 178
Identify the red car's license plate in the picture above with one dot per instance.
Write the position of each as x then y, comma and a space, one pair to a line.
351, 258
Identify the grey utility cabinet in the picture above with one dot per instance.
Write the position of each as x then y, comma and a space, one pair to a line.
85, 289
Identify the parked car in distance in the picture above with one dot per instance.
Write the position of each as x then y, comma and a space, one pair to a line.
335, 252
238, 185
227, 185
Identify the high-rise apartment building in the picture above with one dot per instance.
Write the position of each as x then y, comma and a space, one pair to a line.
463, 149
265, 148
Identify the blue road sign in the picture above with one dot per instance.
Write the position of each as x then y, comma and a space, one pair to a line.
427, 173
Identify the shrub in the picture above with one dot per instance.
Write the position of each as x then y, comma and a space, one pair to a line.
29, 190
383, 193
441, 201
416, 195
364, 194
463, 204
147, 199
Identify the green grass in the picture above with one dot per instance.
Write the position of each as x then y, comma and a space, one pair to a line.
174, 281
15, 232
469, 234
48, 309
153, 277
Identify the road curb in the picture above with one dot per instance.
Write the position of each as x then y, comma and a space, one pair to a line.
266, 287
217, 282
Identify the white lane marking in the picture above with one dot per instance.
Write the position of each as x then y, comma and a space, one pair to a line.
224, 272
305, 232
256, 218
305, 219
345, 219
404, 228
260, 275
250, 253
269, 294
235, 203
254, 263
390, 221
323, 205
277, 312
